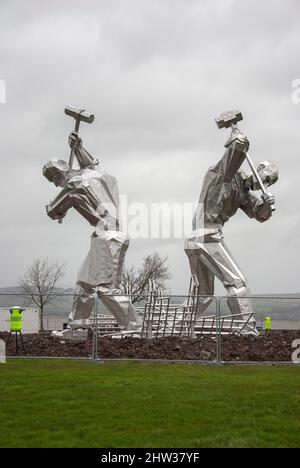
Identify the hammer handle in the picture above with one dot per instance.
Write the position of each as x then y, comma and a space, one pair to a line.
71, 159
254, 170
256, 175
72, 149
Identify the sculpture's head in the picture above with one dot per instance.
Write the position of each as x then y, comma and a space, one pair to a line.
56, 171
268, 172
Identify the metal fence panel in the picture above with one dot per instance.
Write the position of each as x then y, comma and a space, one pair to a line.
171, 330
277, 321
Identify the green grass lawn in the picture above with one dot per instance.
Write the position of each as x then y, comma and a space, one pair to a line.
52, 403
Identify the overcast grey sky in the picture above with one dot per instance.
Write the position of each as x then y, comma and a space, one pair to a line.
155, 74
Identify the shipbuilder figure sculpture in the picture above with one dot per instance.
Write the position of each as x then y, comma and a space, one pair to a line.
226, 188
94, 194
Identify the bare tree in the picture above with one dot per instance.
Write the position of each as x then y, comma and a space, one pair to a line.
40, 282
154, 267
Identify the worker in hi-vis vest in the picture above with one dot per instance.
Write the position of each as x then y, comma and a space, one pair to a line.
268, 323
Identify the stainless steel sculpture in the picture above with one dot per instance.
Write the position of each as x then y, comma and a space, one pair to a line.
226, 188
94, 194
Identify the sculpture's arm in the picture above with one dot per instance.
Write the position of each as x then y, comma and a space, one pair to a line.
83, 157
257, 207
58, 208
97, 196
236, 150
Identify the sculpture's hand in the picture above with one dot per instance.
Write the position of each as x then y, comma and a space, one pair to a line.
237, 134
268, 199
74, 140
53, 214
49, 209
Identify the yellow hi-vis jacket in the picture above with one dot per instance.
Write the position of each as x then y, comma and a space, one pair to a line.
16, 318
268, 322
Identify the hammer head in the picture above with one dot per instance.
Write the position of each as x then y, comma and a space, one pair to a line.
228, 118
79, 114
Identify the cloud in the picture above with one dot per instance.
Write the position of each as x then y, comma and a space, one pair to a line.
155, 74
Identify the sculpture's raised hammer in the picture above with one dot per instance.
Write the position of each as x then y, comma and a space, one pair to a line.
230, 119
80, 115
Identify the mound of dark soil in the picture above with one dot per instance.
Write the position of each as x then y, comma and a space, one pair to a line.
272, 347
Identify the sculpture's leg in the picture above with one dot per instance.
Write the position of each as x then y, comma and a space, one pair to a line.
84, 299
119, 306
239, 295
205, 279
220, 261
